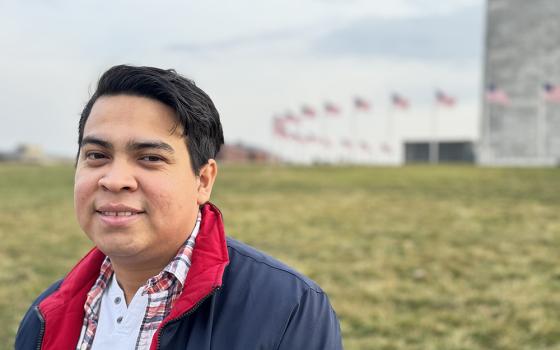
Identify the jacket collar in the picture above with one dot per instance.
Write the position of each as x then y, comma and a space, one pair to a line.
63, 311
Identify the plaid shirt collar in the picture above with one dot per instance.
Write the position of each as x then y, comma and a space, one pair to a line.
176, 269
171, 278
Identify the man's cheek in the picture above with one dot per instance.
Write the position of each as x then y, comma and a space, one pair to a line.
83, 205
162, 203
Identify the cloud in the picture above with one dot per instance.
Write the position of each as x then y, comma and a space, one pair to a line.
253, 58
435, 37
241, 41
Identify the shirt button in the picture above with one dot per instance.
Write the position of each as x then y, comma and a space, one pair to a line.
119, 319
117, 300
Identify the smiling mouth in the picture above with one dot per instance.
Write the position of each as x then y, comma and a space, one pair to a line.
119, 219
118, 213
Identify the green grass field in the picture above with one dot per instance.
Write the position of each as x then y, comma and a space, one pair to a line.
412, 258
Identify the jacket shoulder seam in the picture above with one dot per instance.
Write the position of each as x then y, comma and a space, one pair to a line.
298, 277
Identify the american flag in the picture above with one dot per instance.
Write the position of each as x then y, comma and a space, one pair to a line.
289, 117
551, 92
325, 142
399, 101
310, 139
385, 148
279, 128
346, 143
331, 109
496, 95
361, 104
444, 99
365, 146
297, 138
308, 111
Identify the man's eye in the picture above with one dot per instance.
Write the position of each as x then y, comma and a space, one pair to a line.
151, 158
94, 155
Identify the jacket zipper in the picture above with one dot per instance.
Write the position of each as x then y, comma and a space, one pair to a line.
42, 330
191, 310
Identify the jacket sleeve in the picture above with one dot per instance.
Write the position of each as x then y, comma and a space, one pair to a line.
312, 325
29, 330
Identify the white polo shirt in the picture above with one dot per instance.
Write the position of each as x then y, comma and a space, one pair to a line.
119, 326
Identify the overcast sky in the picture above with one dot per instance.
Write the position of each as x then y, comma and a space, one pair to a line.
254, 58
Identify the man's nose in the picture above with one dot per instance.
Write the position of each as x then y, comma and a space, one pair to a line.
119, 177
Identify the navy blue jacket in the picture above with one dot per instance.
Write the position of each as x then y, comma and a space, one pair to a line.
247, 301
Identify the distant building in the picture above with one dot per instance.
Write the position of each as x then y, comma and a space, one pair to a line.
520, 122
448, 152
25, 153
30, 153
241, 154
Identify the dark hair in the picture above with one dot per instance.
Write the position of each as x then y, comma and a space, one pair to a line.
194, 110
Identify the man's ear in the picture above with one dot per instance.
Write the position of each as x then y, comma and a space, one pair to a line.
207, 176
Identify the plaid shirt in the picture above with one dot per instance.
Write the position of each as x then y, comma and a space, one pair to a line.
162, 289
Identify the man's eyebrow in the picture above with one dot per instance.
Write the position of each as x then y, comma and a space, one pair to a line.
96, 141
140, 145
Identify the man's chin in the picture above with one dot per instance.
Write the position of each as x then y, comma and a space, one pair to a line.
116, 250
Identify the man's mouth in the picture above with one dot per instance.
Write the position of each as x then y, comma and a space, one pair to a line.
118, 213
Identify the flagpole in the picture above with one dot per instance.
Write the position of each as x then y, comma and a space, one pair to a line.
369, 126
322, 136
367, 133
541, 125
391, 132
491, 116
388, 126
298, 144
489, 109
434, 147
275, 140
357, 152
341, 133
311, 139
303, 140
352, 137
322, 139
330, 152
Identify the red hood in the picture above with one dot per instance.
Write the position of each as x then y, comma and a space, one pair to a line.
63, 311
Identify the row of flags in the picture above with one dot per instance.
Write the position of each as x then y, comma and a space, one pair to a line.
495, 95
283, 128
281, 132
285, 124
363, 105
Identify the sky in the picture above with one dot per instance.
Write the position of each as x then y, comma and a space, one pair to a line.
254, 58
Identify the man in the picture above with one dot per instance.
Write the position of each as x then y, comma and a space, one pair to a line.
162, 274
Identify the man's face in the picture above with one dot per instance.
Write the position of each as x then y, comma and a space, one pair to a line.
135, 194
